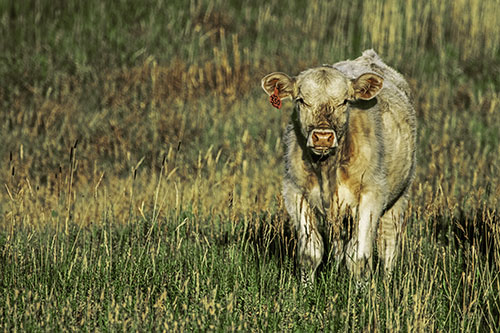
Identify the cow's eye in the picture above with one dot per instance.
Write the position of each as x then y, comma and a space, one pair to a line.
300, 101
343, 103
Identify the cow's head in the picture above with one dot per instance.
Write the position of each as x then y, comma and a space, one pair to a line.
322, 96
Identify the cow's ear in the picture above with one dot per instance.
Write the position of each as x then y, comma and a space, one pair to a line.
367, 86
279, 81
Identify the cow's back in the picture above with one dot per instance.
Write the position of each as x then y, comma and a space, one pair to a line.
371, 62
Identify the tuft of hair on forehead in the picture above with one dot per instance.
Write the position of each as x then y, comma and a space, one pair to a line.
323, 82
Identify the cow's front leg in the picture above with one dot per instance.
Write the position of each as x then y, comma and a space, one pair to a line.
360, 247
310, 243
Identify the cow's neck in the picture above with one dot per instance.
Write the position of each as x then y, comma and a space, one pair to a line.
326, 171
301, 140
324, 167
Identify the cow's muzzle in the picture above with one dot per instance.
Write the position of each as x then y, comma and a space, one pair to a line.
322, 140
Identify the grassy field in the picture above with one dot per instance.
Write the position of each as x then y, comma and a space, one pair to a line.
141, 166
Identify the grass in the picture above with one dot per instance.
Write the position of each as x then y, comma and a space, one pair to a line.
141, 166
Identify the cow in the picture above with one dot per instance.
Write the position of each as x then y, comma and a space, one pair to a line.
350, 154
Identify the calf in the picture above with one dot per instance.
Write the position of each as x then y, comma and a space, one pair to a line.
350, 152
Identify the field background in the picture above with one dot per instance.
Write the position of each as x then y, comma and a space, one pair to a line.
140, 165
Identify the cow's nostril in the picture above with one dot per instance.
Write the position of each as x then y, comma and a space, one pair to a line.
315, 137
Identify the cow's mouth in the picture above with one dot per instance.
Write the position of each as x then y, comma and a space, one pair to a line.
321, 151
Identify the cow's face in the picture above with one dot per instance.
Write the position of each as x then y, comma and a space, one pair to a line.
321, 97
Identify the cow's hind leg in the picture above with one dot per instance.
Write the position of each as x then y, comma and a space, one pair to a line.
310, 244
391, 225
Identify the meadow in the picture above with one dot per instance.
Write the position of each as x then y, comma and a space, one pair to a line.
141, 166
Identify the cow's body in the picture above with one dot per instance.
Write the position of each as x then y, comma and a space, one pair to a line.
350, 151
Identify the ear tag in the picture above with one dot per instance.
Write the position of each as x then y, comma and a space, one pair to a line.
275, 99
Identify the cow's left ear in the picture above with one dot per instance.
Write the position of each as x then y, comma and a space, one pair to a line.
279, 81
367, 86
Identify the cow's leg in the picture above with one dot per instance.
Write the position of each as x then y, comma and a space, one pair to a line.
391, 224
360, 247
310, 244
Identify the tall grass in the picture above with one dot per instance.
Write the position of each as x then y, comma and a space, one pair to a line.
141, 165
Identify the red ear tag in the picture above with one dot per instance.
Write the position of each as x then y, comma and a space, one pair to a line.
275, 99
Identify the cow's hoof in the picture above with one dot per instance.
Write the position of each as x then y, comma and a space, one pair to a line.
306, 278
362, 284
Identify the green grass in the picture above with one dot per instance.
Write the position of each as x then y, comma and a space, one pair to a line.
141, 166
158, 276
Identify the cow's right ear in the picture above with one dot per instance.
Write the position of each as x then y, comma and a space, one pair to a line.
367, 86
279, 81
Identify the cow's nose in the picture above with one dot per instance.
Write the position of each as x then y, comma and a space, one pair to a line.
323, 138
